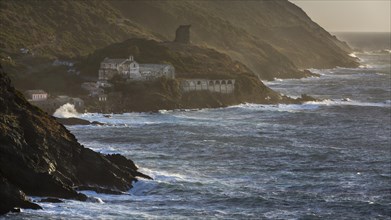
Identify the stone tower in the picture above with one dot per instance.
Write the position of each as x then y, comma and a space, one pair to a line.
182, 34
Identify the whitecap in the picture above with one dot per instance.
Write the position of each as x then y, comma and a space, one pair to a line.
280, 214
347, 101
164, 176
95, 200
142, 186
365, 66
66, 111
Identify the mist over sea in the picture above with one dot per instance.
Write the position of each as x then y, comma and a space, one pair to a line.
366, 41
319, 160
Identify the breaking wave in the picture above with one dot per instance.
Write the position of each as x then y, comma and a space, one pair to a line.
66, 111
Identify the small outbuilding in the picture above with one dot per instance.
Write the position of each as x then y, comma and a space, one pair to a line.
36, 95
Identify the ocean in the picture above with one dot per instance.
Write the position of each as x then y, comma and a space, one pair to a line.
329, 159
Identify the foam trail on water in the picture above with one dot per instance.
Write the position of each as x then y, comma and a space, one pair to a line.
66, 111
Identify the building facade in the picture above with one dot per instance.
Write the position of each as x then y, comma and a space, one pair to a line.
130, 70
36, 95
225, 86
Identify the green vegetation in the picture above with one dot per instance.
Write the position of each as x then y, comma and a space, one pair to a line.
244, 40
63, 28
190, 61
272, 38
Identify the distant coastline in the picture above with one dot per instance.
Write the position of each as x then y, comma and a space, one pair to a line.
367, 41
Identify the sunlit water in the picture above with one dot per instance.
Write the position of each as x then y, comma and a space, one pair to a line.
320, 160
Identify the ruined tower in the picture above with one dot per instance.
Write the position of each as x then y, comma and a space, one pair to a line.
182, 34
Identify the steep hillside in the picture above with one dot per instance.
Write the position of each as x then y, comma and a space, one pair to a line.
63, 28
189, 60
40, 157
273, 38
270, 37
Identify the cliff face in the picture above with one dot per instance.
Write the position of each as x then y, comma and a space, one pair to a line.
42, 158
272, 38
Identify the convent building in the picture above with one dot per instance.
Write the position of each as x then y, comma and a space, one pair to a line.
131, 70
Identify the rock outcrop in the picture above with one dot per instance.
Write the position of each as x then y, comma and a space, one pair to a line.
77, 121
191, 62
13, 198
182, 34
41, 157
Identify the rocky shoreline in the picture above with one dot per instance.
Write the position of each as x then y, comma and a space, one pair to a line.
76, 121
200, 100
40, 157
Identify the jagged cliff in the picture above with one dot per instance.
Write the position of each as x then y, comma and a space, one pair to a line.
41, 157
272, 38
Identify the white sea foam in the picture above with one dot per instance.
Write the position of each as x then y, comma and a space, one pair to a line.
312, 105
143, 187
322, 72
281, 214
365, 66
66, 111
164, 176
103, 149
126, 119
347, 101
95, 200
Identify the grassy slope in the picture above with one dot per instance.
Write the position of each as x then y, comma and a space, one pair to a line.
273, 38
57, 29
63, 28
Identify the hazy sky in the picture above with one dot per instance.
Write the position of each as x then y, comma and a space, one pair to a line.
349, 15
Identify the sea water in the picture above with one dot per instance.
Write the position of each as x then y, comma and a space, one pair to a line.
319, 160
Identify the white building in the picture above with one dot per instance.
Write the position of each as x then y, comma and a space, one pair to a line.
225, 86
102, 97
36, 95
130, 70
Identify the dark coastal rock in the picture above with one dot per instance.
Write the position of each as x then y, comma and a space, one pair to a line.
306, 98
125, 164
51, 200
182, 34
77, 121
12, 197
99, 190
39, 156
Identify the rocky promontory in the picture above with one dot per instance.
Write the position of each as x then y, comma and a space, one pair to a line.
40, 157
190, 62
